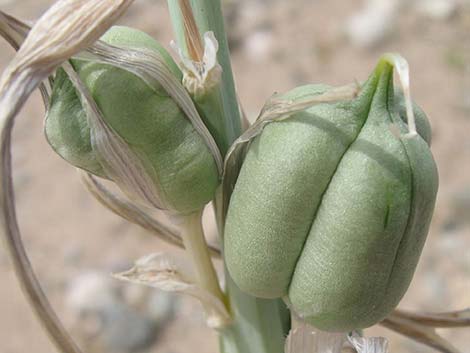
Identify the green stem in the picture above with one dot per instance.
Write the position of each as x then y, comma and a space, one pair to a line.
198, 251
208, 15
259, 326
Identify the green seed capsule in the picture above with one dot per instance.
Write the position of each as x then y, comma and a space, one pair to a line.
331, 209
148, 120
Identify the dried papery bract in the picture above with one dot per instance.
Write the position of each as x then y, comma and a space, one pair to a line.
200, 77
165, 273
403, 71
368, 344
65, 29
304, 339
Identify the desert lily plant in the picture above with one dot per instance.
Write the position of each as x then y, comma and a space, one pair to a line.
322, 205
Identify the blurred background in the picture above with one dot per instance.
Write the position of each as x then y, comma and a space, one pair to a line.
74, 243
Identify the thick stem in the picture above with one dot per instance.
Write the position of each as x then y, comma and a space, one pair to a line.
259, 326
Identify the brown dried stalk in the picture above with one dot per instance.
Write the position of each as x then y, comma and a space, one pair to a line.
66, 28
418, 332
460, 318
192, 35
13, 30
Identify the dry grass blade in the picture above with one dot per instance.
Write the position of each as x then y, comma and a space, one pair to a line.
15, 32
460, 318
135, 214
420, 333
66, 28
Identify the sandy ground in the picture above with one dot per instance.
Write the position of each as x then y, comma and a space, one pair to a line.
276, 46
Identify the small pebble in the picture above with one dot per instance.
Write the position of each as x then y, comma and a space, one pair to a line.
373, 23
258, 46
113, 316
460, 206
437, 9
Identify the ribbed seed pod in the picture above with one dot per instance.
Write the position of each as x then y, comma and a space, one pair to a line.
331, 208
146, 118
